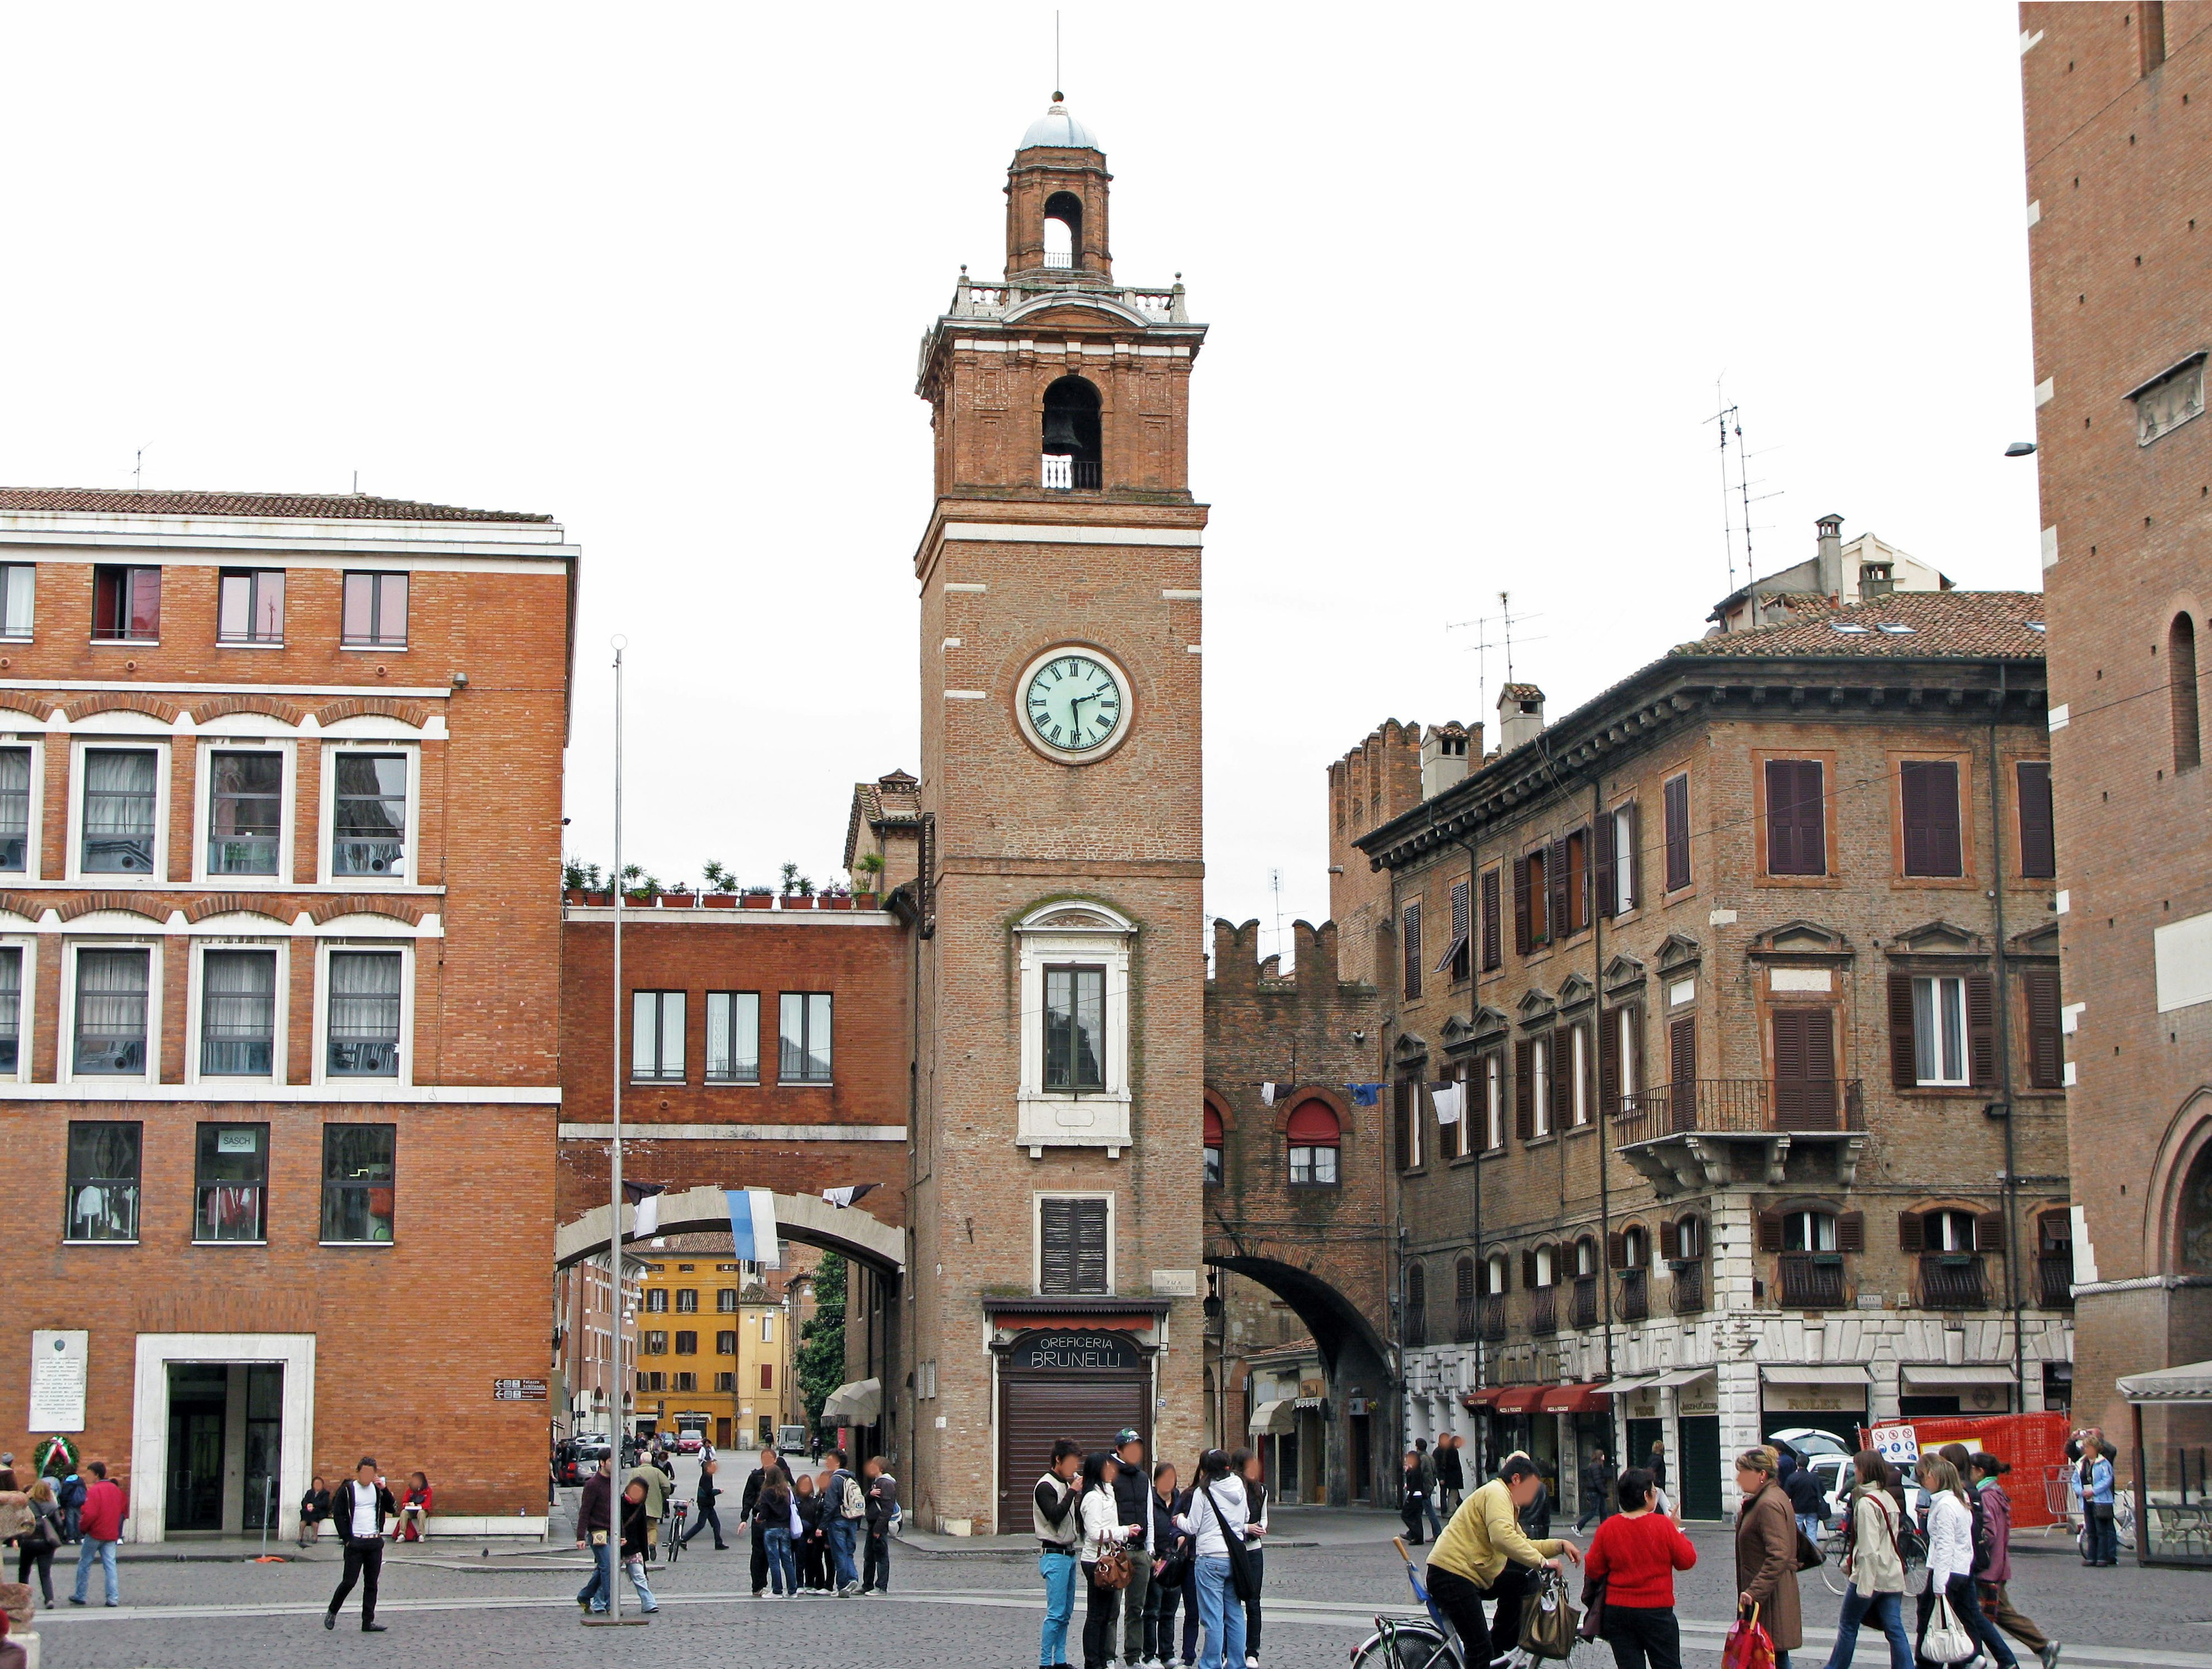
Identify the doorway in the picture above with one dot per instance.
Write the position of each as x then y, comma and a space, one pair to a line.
1362, 1458
1701, 1466
225, 1444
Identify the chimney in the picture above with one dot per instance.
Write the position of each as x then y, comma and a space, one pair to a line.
1876, 579
1519, 715
1444, 757
1830, 565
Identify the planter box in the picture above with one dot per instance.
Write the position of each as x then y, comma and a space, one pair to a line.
793, 901
638, 900
718, 901
832, 903
598, 900
866, 901
756, 901
576, 896
678, 901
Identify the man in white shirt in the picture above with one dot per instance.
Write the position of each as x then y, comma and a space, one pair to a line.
358, 1509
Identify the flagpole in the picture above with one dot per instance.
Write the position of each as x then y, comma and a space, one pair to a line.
617, 1426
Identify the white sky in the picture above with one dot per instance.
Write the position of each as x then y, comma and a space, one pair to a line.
1472, 272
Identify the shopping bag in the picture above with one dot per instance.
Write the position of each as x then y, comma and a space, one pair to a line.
1547, 1621
1947, 1639
1748, 1645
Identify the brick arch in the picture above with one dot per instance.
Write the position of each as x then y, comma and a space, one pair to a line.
122, 701
272, 905
345, 904
383, 707
223, 706
1218, 1104
39, 706
2186, 1145
127, 903
23, 904
1286, 1105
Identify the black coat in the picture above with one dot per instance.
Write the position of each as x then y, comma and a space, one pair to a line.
341, 1508
750, 1498
314, 1506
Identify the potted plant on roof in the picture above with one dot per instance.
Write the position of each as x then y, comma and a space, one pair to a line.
867, 880
720, 892
639, 888
835, 896
679, 897
798, 890
581, 883
757, 898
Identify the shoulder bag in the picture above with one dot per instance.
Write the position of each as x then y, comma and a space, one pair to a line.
1947, 1640
1593, 1626
1240, 1567
1547, 1621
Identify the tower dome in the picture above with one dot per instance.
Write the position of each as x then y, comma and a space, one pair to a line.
1057, 128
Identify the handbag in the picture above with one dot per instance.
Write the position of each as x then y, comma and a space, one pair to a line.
1808, 1555
1113, 1569
1748, 1645
1547, 1621
1593, 1626
1240, 1568
1946, 1639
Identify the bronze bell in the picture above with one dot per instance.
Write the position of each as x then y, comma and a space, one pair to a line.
1059, 431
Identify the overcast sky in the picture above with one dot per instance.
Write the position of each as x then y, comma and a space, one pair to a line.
1472, 273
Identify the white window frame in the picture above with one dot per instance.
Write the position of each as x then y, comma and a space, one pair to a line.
1585, 1253
195, 985
1548, 1266
807, 1039
1626, 1042
1578, 1056
660, 994
1540, 1088
1624, 866
1499, 1275
8, 574
1936, 1224
33, 836
66, 1048
1037, 1199
141, 740
1635, 1248
1687, 1230
204, 808
1074, 932
27, 1004
1811, 1218
1494, 1101
706, 1023
327, 816
366, 1089
1935, 983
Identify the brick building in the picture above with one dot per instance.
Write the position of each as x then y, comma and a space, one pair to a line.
2119, 162
280, 808
714, 1338
1743, 978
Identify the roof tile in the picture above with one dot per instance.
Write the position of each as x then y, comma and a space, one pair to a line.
352, 507
1904, 626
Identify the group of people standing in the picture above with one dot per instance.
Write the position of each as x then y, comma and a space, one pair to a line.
74, 1503
828, 1532
1431, 1485
1146, 1549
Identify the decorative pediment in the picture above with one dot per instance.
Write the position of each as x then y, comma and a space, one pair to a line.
1800, 938
1677, 950
1534, 1006
1489, 1022
1463, 1033
1938, 938
1576, 991
2041, 941
1622, 971
1408, 1049
1073, 916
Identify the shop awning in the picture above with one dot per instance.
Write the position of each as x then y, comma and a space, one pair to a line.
1520, 1398
1584, 1398
1275, 1418
2189, 1383
1305, 1403
1485, 1398
856, 1402
1676, 1378
1812, 1373
1628, 1382
1933, 1375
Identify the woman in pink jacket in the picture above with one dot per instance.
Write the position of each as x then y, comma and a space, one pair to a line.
1995, 1570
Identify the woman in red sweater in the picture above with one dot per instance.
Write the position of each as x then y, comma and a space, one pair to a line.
1636, 1552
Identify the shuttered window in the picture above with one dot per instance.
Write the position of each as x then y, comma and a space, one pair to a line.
2046, 1049
1804, 1069
1493, 932
1942, 1030
2038, 844
1533, 907
1405, 1105
1455, 960
1072, 1246
1410, 931
1796, 818
1682, 1065
1678, 833
1604, 890
1560, 911
1929, 790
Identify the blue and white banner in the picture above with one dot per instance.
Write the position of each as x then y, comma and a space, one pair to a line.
752, 1225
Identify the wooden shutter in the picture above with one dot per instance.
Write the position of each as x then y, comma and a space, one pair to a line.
1851, 1231
1631, 857
1804, 1069
1989, 1231
1528, 1267
1678, 833
1089, 1245
1410, 934
1591, 1050
1796, 828
1616, 1250
2039, 837
1682, 1052
1524, 1090
1559, 914
1056, 1250
1601, 881
1912, 1233
1451, 963
1491, 931
1464, 1280
1982, 1029
1670, 1240
1608, 1050
1902, 1074
1929, 789
1403, 1106
2046, 1046
1769, 1231
1521, 940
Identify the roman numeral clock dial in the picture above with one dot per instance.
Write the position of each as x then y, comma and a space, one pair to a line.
1074, 705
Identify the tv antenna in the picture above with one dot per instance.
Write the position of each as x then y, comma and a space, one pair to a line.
1505, 620
138, 471
1729, 421
1057, 95
1275, 881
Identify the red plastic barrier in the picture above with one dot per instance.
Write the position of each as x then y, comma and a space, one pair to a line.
2034, 1443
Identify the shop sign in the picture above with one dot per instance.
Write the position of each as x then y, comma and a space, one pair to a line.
1817, 1398
57, 1374
1700, 1396
1076, 1352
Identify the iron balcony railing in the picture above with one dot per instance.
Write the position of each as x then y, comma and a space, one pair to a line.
1417, 1328
1689, 1288
1812, 1280
1635, 1296
1466, 1320
2054, 1280
1739, 1107
1953, 1281
1544, 1310
1585, 1301
1492, 1320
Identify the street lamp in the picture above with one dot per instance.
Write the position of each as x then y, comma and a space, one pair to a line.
2020, 449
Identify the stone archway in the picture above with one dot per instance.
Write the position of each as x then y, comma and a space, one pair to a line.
850, 1231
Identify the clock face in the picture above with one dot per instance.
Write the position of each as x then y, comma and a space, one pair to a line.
1072, 703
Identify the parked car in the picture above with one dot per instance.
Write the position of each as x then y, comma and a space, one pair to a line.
575, 1458
690, 1443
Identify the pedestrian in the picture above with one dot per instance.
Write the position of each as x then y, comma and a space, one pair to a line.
1484, 1553
1766, 1553
1132, 1505
1247, 1466
414, 1521
655, 1483
846, 1511
1536, 1516
1655, 1464
1410, 1501
637, 1531
70, 1498
882, 1501
314, 1507
1993, 1571
1428, 1471
359, 1509
1951, 1558
774, 1515
703, 1499
1452, 1473
36, 1545
99, 1526
1599, 1482
1874, 1565
821, 1573
1103, 1532
1169, 1572
1802, 1485
1058, 1529
594, 1522
1217, 1513
1636, 1553
771, 1465
2096, 1478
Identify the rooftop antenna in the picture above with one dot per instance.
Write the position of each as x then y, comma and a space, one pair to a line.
1505, 616
1482, 646
357, 483
1729, 421
1275, 880
138, 471
1057, 95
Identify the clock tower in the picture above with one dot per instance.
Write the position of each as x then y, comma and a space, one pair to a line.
1056, 1192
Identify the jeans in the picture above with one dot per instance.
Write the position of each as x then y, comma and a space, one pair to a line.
1643, 1636
1136, 1603
88, 1550
594, 1593
1809, 1523
1888, 1611
1959, 1591
1219, 1612
1160, 1604
364, 1560
635, 1565
840, 1549
1099, 1605
782, 1568
1255, 1559
2104, 1534
1058, 1571
876, 1562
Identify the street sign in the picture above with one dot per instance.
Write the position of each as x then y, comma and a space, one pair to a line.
518, 1390
1899, 1445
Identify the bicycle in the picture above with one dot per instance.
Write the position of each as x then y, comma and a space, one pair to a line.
1411, 1643
671, 1530
1910, 1544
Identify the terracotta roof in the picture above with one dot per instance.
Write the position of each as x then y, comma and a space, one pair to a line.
1520, 692
1905, 625
354, 506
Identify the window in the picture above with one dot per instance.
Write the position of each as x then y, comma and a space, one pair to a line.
1071, 435
1809, 1231
733, 1037
687, 1344
684, 1381
726, 1302
119, 801
656, 1301
768, 1376
368, 815
652, 1381
19, 586
2046, 1046
1676, 795
1635, 1248
2181, 682
375, 610
656, 1037
1796, 818
11, 1007
725, 1342
102, 1201
1074, 1028
767, 1329
358, 1183
2169, 400
1417, 1305
233, 1179
364, 1014
1314, 1136
1572, 887
1622, 898
2038, 847
1494, 1101
1580, 1062
653, 1342
1213, 1133
1939, 1031
110, 1012
14, 810
1947, 1231
237, 1013
1409, 933
1455, 962
246, 812
1405, 1109
251, 608
726, 1382
126, 605
1689, 1239
1532, 925
804, 1038
1626, 1067
1540, 1105
1072, 1235
1492, 935
687, 1300
1929, 790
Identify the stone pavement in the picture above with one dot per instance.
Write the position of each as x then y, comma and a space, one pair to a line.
449, 1602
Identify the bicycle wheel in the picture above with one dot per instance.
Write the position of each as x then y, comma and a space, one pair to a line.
1915, 1549
1406, 1646
1834, 1546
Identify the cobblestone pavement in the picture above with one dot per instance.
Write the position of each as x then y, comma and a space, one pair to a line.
451, 1605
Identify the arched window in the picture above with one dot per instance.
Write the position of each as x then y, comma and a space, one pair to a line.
1314, 1137
1689, 1239
1213, 1147
2192, 1236
1635, 1247
1063, 231
1547, 1266
1070, 438
2181, 679
1809, 1231
1585, 1257
1417, 1305
1500, 1273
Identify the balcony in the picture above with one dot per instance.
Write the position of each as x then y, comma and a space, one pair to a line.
1635, 1295
1492, 1322
1063, 473
1812, 1280
1417, 1328
1686, 1138
1689, 1288
2054, 1279
1466, 1320
1585, 1310
1544, 1310
1953, 1281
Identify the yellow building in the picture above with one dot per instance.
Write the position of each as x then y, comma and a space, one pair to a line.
714, 1345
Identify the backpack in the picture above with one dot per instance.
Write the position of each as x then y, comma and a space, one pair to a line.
849, 1504
70, 1494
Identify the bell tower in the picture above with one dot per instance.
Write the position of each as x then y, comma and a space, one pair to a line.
1057, 1157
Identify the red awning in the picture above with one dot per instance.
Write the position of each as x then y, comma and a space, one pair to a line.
1585, 1398
1519, 1399
1481, 1398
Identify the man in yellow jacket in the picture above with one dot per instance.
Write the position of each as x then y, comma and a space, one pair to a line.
1483, 1551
